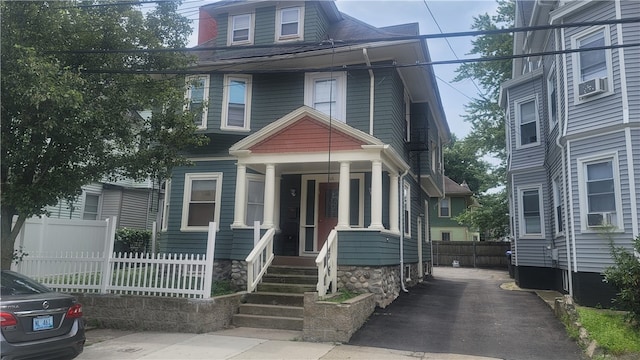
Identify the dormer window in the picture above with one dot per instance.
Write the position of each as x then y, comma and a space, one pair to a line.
289, 24
240, 29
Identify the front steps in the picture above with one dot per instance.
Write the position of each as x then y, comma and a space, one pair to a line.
278, 302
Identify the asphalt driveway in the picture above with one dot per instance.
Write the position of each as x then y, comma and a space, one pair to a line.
465, 311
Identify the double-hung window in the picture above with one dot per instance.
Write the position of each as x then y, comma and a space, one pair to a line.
557, 206
446, 236
236, 102
201, 200
445, 207
527, 117
290, 24
91, 209
552, 101
327, 93
240, 29
165, 205
600, 192
197, 95
593, 69
406, 204
407, 116
530, 214
255, 199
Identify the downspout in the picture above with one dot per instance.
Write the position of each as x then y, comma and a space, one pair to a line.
401, 199
371, 90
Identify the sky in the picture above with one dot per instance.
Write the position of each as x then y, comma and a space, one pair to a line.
450, 16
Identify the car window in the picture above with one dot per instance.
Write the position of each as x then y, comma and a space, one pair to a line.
12, 283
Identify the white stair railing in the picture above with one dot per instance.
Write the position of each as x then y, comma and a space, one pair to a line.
327, 263
259, 260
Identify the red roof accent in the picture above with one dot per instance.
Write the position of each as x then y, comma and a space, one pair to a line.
306, 135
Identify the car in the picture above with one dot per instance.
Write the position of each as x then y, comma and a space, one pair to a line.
37, 322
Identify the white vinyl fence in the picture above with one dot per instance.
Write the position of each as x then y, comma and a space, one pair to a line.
178, 275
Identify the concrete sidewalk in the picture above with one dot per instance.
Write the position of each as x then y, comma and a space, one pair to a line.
238, 343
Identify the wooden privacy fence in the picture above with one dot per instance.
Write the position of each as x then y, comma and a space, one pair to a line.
471, 253
177, 275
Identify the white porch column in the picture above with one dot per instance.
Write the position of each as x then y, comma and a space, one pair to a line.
343, 195
376, 195
269, 195
241, 202
393, 203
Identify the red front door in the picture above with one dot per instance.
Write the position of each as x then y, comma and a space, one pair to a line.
327, 211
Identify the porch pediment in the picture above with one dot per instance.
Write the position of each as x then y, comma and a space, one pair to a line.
305, 130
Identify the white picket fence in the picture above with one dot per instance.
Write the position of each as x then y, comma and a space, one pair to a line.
177, 275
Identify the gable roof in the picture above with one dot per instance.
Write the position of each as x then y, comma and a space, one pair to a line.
453, 188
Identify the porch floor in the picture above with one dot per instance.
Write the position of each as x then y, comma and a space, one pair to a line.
279, 260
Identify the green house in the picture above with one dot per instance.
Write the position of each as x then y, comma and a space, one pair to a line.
457, 199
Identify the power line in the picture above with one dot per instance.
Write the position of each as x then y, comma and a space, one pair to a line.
348, 42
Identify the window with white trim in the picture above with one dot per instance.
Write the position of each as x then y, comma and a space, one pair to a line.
236, 102
91, 209
407, 116
445, 236
600, 200
201, 201
530, 214
445, 207
327, 94
557, 206
165, 205
527, 122
255, 199
197, 95
406, 205
552, 98
593, 71
241, 29
290, 23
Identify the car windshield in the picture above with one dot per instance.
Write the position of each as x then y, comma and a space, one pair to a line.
12, 283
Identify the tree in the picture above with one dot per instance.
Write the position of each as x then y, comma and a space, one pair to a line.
625, 276
462, 163
70, 118
487, 119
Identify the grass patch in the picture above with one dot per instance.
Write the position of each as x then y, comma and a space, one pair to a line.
610, 330
221, 287
342, 295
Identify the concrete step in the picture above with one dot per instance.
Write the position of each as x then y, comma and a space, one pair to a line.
271, 298
290, 279
272, 310
286, 288
268, 322
289, 270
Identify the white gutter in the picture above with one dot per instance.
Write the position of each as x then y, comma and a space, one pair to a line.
401, 199
371, 89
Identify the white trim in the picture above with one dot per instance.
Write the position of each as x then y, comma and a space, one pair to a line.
166, 205
622, 68
552, 84
84, 205
255, 178
575, 59
571, 208
518, 103
299, 35
188, 178
205, 97
252, 27
224, 116
406, 198
521, 224
340, 111
582, 190
407, 116
632, 184
211, 158
557, 201
440, 207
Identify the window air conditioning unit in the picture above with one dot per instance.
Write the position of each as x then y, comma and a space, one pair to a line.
599, 219
592, 87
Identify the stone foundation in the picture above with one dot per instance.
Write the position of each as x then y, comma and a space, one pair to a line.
238, 275
221, 270
383, 282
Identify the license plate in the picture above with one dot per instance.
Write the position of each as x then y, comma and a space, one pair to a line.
42, 323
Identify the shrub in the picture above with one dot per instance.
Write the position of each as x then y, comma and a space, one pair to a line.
132, 240
625, 276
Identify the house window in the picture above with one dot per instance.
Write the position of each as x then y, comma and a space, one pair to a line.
445, 207
600, 192
255, 199
236, 100
446, 236
527, 117
91, 207
557, 205
197, 95
290, 24
201, 201
406, 205
531, 212
434, 157
327, 94
241, 29
593, 70
165, 205
407, 116
552, 94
